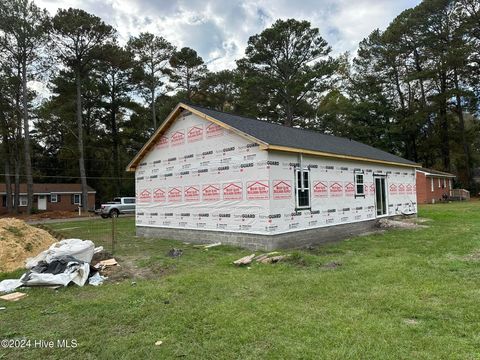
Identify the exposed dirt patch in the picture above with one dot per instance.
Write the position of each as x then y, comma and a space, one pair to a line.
128, 270
48, 215
332, 265
102, 255
473, 256
19, 241
411, 321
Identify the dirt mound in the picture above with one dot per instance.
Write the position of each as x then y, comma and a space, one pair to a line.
19, 241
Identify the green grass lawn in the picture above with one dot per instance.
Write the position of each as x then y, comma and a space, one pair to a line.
403, 294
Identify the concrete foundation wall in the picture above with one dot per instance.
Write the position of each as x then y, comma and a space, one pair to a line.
261, 242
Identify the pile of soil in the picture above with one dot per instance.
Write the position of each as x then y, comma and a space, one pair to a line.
19, 241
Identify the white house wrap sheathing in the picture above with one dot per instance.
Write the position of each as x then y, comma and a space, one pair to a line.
201, 176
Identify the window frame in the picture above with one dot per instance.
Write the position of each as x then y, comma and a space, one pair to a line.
79, 199
355, 183
23, 200
54, 198
297, 189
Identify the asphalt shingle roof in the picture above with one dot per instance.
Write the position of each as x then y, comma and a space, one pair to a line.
276, 134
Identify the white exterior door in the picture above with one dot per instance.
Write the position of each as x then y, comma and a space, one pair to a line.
42, 202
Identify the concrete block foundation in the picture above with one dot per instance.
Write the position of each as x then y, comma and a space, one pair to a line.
294, 239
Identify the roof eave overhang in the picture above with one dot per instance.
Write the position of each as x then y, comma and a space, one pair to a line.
440, 175
339, 156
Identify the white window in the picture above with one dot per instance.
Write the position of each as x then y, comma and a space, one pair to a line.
302, 188
77, 199
431, 181
23, 201
359, 186
53, 198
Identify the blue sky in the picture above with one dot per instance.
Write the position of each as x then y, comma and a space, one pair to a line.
219, 30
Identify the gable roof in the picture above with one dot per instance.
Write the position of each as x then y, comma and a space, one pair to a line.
432, 172
49, 188
272, 136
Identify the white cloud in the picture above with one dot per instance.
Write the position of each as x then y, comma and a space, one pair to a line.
219, 29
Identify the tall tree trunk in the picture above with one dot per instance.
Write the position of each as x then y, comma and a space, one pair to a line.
418, 67
154, 115
18, 138
8, 176
444, 134
26, 140
81, 150
288, 115
399, 90
461, 120
115, 143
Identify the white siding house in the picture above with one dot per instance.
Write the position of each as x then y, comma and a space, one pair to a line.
207, 176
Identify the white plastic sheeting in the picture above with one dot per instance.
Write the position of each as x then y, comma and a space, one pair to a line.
9, 285
201, 176
75, 272
80, 249
79, 254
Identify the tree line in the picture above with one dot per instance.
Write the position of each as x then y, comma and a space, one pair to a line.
411, 89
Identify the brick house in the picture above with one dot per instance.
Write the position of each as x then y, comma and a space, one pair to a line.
433, 185
50, 197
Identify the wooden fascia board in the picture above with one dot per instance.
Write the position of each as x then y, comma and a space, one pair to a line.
338, 156
138, 157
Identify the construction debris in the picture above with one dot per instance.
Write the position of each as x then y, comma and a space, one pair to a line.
107, 262
82, 250
61, 270
65, 262
212, 245
259, 258
273, 259
9, 285
13, 296
97, 279
396, 224
262, 258
244, 260
175, 252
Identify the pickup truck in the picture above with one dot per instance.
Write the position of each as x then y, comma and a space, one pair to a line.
119, 205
